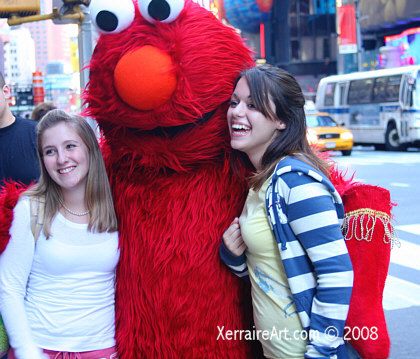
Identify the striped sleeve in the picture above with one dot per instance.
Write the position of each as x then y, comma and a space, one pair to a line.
312, 216
237, 264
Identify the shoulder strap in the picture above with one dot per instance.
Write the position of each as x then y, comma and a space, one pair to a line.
37, 215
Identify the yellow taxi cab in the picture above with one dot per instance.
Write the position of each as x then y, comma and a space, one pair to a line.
326, 134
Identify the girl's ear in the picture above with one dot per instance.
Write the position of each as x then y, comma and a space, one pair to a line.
280, 125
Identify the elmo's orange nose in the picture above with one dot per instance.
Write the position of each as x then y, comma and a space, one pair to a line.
145, 78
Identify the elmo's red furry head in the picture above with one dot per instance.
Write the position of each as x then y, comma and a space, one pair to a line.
160, 66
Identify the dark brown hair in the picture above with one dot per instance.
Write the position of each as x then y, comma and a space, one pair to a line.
267, 83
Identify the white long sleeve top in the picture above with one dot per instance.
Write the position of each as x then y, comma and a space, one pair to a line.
59, 293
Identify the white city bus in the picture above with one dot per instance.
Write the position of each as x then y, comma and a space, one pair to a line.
381, 107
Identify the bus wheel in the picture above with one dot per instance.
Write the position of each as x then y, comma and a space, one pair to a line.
392, 140
346, 152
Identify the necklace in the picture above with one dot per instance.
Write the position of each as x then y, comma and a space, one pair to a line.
73, 212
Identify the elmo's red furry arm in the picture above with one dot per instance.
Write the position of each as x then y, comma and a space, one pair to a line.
9, 195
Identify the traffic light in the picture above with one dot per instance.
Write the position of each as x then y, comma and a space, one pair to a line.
76, 2
67, 7
69, 3
9, 8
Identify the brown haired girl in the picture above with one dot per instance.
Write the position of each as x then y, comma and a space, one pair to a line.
288, 239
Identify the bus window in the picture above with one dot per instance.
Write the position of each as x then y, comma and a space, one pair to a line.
393, 88
329, 94
342, 90
360, 91
415, 92
410, 96
353, 93
379, 90
405, 92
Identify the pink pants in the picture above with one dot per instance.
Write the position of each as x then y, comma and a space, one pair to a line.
109, 353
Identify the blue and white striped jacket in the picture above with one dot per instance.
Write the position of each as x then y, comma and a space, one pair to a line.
305, 213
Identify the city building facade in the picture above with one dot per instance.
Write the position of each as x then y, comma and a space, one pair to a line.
303, 36
19, 57
53, 42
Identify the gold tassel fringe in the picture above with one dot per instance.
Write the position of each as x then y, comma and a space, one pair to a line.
360, 224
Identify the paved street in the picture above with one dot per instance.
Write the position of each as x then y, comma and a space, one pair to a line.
399, 172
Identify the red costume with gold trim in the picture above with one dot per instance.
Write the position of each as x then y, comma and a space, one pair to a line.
159, 91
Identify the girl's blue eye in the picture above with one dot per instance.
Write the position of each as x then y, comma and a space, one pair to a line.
71, 145
49, 152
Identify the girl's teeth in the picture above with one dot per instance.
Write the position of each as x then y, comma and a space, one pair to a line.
66, 170
240, 127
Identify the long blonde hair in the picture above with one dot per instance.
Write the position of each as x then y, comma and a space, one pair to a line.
98, 193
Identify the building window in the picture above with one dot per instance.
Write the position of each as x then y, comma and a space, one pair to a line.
311, 23
295, 49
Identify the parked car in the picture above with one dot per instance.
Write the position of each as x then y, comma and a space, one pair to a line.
327, 134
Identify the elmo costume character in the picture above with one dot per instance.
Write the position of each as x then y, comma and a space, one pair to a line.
160, 79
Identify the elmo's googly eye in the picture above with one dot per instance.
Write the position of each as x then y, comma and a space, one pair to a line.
160, 10
111, 16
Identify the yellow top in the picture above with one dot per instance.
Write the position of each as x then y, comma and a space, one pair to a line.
277, 323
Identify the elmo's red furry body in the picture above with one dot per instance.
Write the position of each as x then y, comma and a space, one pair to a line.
173, 188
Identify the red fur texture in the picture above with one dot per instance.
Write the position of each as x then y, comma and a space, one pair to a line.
339, 180
9, 195
174, 193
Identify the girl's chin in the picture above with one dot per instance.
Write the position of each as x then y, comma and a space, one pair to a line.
237, 147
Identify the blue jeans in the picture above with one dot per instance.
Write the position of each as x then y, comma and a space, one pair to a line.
352, 353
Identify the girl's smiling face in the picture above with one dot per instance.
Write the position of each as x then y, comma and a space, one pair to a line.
251, 131
65, 156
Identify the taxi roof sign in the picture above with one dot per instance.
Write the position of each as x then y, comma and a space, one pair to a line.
10, 8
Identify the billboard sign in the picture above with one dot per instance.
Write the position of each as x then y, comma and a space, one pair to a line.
376, 14
408, 42
347, 38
